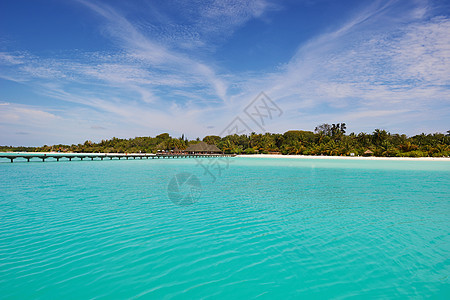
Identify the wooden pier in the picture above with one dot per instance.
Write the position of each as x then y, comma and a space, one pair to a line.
100, 156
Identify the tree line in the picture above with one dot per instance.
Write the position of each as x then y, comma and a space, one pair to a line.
325, 140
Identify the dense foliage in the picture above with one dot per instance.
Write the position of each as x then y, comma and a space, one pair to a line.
326, 140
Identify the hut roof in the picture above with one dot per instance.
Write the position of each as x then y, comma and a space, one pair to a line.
213, 148
368, 152
202, 147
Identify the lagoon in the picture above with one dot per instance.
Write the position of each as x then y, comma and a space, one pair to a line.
258, 228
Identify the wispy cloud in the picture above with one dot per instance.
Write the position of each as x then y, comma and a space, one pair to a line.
200, 25
124, 84
156, 56
363, 70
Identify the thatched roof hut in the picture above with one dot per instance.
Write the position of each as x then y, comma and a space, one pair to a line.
214, 149
203, 147
368, 152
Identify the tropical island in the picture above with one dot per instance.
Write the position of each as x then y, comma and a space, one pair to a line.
330, 140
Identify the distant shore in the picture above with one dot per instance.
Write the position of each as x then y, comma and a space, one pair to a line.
74, 154
346, 157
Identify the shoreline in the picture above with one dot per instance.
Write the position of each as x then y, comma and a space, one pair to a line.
346, 157
239, 155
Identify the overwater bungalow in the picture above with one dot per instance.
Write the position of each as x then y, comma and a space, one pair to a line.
202, 148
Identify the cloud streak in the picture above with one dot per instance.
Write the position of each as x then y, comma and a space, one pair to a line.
399, 67
155, 56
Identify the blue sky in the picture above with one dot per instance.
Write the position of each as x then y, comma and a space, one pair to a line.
81, 70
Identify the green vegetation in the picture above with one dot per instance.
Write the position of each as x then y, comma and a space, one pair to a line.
325, 140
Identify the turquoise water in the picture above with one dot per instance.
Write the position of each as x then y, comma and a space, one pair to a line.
261, 228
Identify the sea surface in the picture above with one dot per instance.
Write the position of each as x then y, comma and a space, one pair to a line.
240, 228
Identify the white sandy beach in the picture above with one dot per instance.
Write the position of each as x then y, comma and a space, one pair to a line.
346, 157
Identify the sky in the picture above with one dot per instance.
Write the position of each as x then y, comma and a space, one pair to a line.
79, 70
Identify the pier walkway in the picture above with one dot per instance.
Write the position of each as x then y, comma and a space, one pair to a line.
100, 156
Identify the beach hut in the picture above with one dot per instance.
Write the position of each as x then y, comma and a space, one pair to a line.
368, 152
213, 149
177, 151
202, 148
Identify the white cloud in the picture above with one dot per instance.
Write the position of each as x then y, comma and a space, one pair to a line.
202, 25
401, 66
156, 56
8, 59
